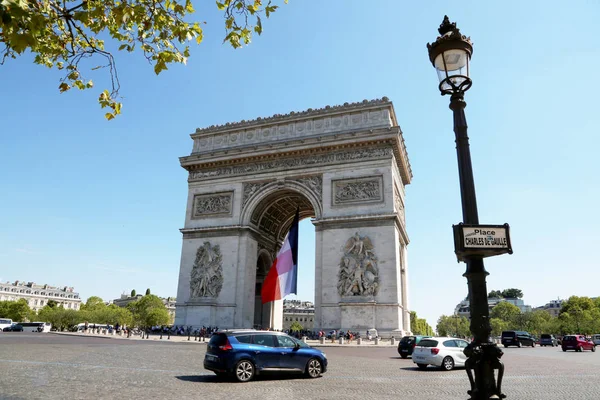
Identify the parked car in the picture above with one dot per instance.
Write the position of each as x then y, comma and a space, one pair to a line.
577, 343
13, 328
444, 352
517, 338
247, 353
596, 339
548, 340
408, 343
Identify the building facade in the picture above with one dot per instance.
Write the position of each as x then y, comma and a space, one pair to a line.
345, 167
463, 308
37, 296
302, 312
553, 307
125, 299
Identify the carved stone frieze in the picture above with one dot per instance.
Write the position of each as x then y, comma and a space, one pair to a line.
398, 204
251, 188
213, 204
358, 274
357, 190
314, 183
206, 278
290, 163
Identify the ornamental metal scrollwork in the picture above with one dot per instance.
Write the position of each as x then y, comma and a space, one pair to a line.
359, 273
206, 278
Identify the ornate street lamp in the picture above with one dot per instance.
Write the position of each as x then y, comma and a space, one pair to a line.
451, 54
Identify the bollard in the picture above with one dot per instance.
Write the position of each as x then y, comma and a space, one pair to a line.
377, 340
393, 341
147, 335
341, 340
161, 335
189, 335
358, 341
195, 337
169, 335
322, 340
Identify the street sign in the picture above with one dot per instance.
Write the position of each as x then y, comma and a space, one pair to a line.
481, 240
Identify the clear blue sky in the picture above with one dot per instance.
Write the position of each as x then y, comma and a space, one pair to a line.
97, 205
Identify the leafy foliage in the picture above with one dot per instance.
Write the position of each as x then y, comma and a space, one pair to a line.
18, 311
62, 34
505, 311
453, 325
419, 326
147, 291
512, 293
149, 311
495, 294
296, 326
133, 293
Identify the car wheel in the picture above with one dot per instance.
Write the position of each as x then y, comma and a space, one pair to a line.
593, 349
244, 371
448, 364
506, 346
580, 349
519, 344
403, 356
532, 344
564, 349
314, 368
422, 366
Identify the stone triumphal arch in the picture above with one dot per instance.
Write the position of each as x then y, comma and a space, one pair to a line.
344, 166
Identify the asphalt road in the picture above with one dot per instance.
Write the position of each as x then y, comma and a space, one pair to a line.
47, 366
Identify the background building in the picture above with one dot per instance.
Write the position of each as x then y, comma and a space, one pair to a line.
299, 311
37, 296
464, 308
125, 299
553, 307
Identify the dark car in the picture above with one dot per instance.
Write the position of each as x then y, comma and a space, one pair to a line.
407, 344
548, 340
246, 353
517, 338
577, 343
13, 328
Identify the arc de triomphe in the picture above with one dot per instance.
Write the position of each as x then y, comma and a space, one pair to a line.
346, 167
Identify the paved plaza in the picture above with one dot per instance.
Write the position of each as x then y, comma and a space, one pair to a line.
50, 366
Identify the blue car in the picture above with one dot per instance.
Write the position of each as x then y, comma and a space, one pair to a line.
247, 353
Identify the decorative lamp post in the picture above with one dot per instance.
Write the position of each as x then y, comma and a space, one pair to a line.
451, 54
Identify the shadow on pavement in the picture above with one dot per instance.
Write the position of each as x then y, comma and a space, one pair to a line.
201, 378
219, 379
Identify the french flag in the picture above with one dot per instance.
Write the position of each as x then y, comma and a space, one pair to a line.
282, 278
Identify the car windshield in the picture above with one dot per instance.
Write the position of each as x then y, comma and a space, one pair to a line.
569, 338
407, 339
428, 343
508, 334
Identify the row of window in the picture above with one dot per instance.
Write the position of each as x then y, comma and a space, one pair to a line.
36, 302
14, 290
301, 319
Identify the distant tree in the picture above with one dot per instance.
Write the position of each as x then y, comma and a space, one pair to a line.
296, 326
512, 293
498, 326
453, 325
147, 291
133, 293
505, 311
143, 314
19, 310
93, 303
419, 326
495, 294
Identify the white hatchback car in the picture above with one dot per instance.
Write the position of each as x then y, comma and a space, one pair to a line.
444, 352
